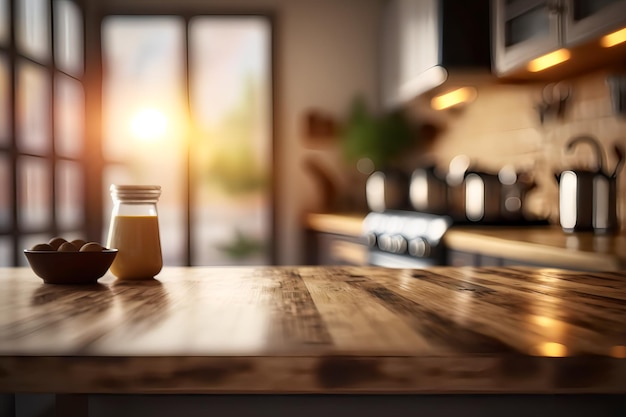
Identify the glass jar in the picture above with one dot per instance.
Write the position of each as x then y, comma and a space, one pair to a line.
134, 231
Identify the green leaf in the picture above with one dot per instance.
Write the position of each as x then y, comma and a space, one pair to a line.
380, 139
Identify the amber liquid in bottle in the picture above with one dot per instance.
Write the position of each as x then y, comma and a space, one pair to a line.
139, 247
134, 232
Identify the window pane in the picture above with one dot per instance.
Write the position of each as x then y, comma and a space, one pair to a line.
144, 124
4, 21
68, 37
34, 196
70, 116
231, 157
586, 8
6, 252
6, 203
534, 23
5, 111
70, 198
33, 28
33, 108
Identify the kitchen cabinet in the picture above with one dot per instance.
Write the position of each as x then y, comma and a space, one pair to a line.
459, 258
424, 41
335, 239
332, 249
587, 19
409, 46
527, 29
524, 29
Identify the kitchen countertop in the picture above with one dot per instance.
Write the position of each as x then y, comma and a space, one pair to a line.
350, 224
317, 330
547, 245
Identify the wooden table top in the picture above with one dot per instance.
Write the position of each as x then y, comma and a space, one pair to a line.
316, 330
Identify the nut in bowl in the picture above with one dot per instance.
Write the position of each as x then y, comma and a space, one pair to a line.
76, 262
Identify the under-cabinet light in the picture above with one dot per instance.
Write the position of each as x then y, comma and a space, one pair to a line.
452, 98
548, 60
615, 38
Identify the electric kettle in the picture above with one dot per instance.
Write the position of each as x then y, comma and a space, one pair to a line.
387, 190
428, 192
588, 198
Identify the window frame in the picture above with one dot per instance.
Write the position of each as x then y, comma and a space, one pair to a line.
91, 160
187, 16
16, 232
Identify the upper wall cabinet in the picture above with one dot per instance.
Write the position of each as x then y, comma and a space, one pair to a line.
588, 19
425, 41
410, 48
524, 29
527, 29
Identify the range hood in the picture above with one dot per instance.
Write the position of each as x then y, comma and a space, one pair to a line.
441, 45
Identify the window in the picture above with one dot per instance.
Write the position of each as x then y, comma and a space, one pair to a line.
186, 103
41, 124
202, 131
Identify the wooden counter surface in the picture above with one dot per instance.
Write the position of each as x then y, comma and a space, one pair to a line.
547, 245
317, 330
349, 224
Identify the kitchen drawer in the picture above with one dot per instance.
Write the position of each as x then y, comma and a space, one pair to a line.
460, 258
334, 249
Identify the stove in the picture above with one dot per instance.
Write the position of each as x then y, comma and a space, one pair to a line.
412, 239
405, 239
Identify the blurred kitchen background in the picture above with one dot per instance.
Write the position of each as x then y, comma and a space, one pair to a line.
254, 114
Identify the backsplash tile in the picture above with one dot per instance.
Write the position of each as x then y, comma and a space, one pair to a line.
503, 127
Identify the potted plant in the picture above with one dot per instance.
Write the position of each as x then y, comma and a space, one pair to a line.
382, 139
375, 144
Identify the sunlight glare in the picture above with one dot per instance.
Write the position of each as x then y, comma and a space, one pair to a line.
149, 124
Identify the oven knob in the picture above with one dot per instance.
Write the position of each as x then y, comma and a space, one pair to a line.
419, 247
371, 239
399, 244
384, 243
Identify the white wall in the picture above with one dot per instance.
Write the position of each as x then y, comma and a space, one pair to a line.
326, 54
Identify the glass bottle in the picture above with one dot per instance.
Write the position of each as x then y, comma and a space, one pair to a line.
134, 231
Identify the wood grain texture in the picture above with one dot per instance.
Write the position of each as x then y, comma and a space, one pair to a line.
317, 330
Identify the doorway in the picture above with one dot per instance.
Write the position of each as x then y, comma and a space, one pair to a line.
187, 104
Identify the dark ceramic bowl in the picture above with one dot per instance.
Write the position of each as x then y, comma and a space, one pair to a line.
70, 267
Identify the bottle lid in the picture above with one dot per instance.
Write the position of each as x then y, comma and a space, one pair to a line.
135, 193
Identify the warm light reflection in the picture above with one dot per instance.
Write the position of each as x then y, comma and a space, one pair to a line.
614, 38
548, 275
453, 98
544, 321
551, 349
618, 351
149, 124
572, 242
548, 60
